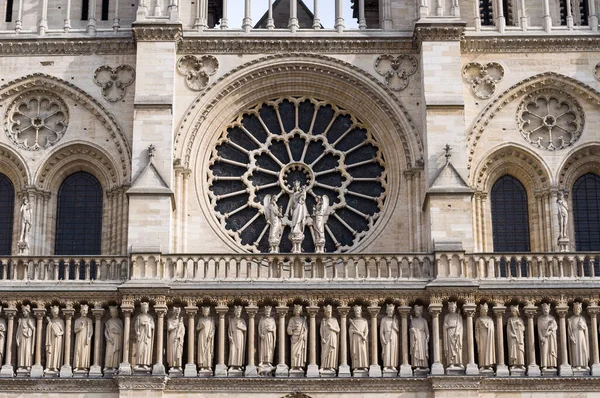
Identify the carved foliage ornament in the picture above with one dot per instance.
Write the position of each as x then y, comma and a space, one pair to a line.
550, 119
483, 78
197, 70
36, 119
396, 70
114, 81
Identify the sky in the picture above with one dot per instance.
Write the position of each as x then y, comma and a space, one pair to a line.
235, 12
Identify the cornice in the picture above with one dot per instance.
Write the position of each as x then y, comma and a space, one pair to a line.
121, 46
529, 44
439, 31
151, 32
56, 385
142, 382
261, 45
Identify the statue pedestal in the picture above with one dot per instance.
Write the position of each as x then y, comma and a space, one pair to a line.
251, 371
65, 371
405, 371
110, 372
37, 371
175, 372
360, 373
423, 372
95, 371
282, 370
565, 370
23, 372
7, 371
517, 371
329, 373
190, 370
552, 372
596, 369
390, 373
80, 373
205, 373
581, 372
563, 244
344, 371
472, 369
375, 371
158, 370
454, 370
296, 373
235, 372
312, 371
533, 371
50, 373
124, 369
221, 370
502, 371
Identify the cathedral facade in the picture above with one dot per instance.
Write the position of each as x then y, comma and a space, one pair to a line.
192, 205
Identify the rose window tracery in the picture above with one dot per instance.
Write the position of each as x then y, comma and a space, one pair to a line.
550, 119
274, 145
36, 119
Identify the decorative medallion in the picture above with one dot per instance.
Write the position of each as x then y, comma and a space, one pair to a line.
114, 82
550, 119
483, 78
36, 119
396, 70
197, 70
277, 149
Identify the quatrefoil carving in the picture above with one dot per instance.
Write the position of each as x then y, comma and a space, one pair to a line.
396, 70
197, 70
483, 78
114, 81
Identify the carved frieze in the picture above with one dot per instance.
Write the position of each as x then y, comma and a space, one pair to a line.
114, 81
197, 70
86, 46
483, 78
396, 69
157, 32
512, 44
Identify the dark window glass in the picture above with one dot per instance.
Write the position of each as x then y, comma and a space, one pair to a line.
85, 7
105, 10
7, 204
79, 219
586, 212
9, 11
510, 219
579, 12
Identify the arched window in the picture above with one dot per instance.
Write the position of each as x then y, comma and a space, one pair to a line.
7, 204
586, 212
79, 216
510, 220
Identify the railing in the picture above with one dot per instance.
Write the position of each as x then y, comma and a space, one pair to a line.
277, 267
61, 268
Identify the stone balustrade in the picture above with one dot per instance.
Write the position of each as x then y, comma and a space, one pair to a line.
63, 268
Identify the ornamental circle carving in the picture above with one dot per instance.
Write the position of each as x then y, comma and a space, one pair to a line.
36, 119
550, 119
271, 146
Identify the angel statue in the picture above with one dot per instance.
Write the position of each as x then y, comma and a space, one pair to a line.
299, 216
274, 216
320, 216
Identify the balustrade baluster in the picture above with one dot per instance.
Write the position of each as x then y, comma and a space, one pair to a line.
593, 17
524, 14
224, 16
339, 18
247, 22
362, 21
19, 20
116, 20
547, 17
67, 25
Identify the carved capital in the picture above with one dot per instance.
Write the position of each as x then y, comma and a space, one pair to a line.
39, 312
68, 312
435, 309
374, 311
251, 310
499, 311
561, 310
191, 310
469, 310
343, 310
98, 311
312, 311
282, 310
404, 311
221, 310
530, 310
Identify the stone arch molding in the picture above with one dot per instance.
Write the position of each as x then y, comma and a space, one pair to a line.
580, 161
64, 88
550, 80
14, 166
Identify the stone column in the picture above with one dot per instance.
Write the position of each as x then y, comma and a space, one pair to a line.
344, 369
374, 369
282, 369
190, 367
37, 370
96, 368
564, 368
436, 367
293, 24
405, 368
533, 370
313, 369
221, 368
66, 370
251, 370
501, 368
127, 310
593, 17
159, 368
7, 368
339, 16
547, 17
592, 311
472, 368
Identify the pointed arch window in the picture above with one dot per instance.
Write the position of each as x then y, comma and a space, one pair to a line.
586, 212
510, 219
79, 216
7, 206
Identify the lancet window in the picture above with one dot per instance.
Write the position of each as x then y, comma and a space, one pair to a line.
7, 203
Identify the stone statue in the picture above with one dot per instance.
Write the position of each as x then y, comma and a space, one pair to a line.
298, 331
25, 220
274, 216
578, 339
547, 328
237, 339
83, 329
267, 329
144, 334
515, 334
25, 338
485, 338
299, 216
206, 339
113, 333
55, 334
419, 339
175, 338
453, 337
563, 215
2, 337
320, 216
389, 331
330, 333
359, 332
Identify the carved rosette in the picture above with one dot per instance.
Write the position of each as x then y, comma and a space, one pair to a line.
36, 119
272, 145
197, 70
550, 119
483, 78
396, 70
114, 81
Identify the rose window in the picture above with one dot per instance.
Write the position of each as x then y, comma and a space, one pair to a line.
549, 119
315, 145
36, 119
